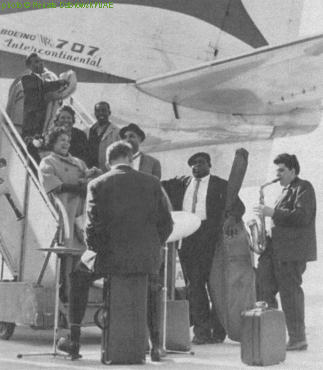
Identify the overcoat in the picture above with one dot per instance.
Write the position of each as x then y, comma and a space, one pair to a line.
97, 154
293, 232
127, 222
55, 170
204, 247
215, 198
150, 165
35, 103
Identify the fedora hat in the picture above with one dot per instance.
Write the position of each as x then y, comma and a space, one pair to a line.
134, 128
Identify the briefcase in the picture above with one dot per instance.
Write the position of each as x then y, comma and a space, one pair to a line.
124, 335
263, 337
177, 326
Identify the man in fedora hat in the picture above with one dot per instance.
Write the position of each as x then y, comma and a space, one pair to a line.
205, 195
142, 162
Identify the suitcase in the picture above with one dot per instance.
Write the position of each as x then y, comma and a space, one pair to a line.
263, 337
178, 337
124, 335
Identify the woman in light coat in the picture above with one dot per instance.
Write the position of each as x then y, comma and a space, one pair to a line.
66, 176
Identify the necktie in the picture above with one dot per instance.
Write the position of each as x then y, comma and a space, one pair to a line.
197, 185
136, 155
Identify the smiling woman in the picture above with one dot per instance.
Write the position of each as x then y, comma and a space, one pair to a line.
78, 140
66, 176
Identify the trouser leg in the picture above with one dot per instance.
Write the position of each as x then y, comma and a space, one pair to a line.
266, 282
153, 304
219, 333
80, 283
292, 298
199, 303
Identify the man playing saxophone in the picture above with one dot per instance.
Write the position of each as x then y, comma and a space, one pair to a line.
293, 244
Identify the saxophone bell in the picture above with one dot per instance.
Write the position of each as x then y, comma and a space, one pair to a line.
254, 234
258, 229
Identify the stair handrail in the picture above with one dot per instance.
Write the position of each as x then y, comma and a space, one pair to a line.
57, 209
21, 149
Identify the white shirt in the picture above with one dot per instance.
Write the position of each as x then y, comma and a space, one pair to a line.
201, 197
136, 161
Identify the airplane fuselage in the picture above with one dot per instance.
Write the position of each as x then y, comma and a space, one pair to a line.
111, 49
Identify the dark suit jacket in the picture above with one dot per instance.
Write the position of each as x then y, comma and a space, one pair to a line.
35, 104
293, 234
150, 165
78, 144
127, 221
215, 198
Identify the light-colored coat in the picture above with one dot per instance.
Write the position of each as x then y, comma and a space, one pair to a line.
150, 165
110, 136
55, 170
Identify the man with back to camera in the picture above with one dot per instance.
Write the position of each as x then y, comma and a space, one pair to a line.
142, 162
127, 225
35, 89
102, 134
205, 195
293, 243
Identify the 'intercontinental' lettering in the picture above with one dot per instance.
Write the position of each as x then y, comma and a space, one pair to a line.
51, 53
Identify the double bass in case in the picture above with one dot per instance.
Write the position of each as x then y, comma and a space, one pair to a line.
263, 336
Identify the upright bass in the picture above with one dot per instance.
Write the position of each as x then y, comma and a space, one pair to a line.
232, 277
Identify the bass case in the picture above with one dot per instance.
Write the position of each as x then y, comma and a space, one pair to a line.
263, 337
232, 281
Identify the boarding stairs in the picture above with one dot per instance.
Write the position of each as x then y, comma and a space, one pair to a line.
27, 288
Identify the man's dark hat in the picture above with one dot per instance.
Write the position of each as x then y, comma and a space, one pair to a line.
200, 154
132, 127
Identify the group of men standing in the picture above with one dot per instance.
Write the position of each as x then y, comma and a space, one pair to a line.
128, 222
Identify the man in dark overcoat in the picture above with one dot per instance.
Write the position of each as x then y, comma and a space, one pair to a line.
293, 244
205, 195
35, 89
128, 222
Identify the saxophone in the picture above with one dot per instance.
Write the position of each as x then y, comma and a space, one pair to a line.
258, 231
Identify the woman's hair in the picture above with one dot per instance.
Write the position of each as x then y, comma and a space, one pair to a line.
53, 135
289, 160
68, 109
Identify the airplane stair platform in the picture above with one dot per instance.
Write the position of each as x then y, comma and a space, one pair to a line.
28, 221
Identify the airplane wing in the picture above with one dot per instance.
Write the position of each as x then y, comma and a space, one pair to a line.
270, 80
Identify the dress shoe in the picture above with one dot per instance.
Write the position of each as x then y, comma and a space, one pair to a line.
200, 341
214, 340
155, 354
72, 348
297, 346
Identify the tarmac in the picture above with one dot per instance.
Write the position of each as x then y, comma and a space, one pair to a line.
206, 357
